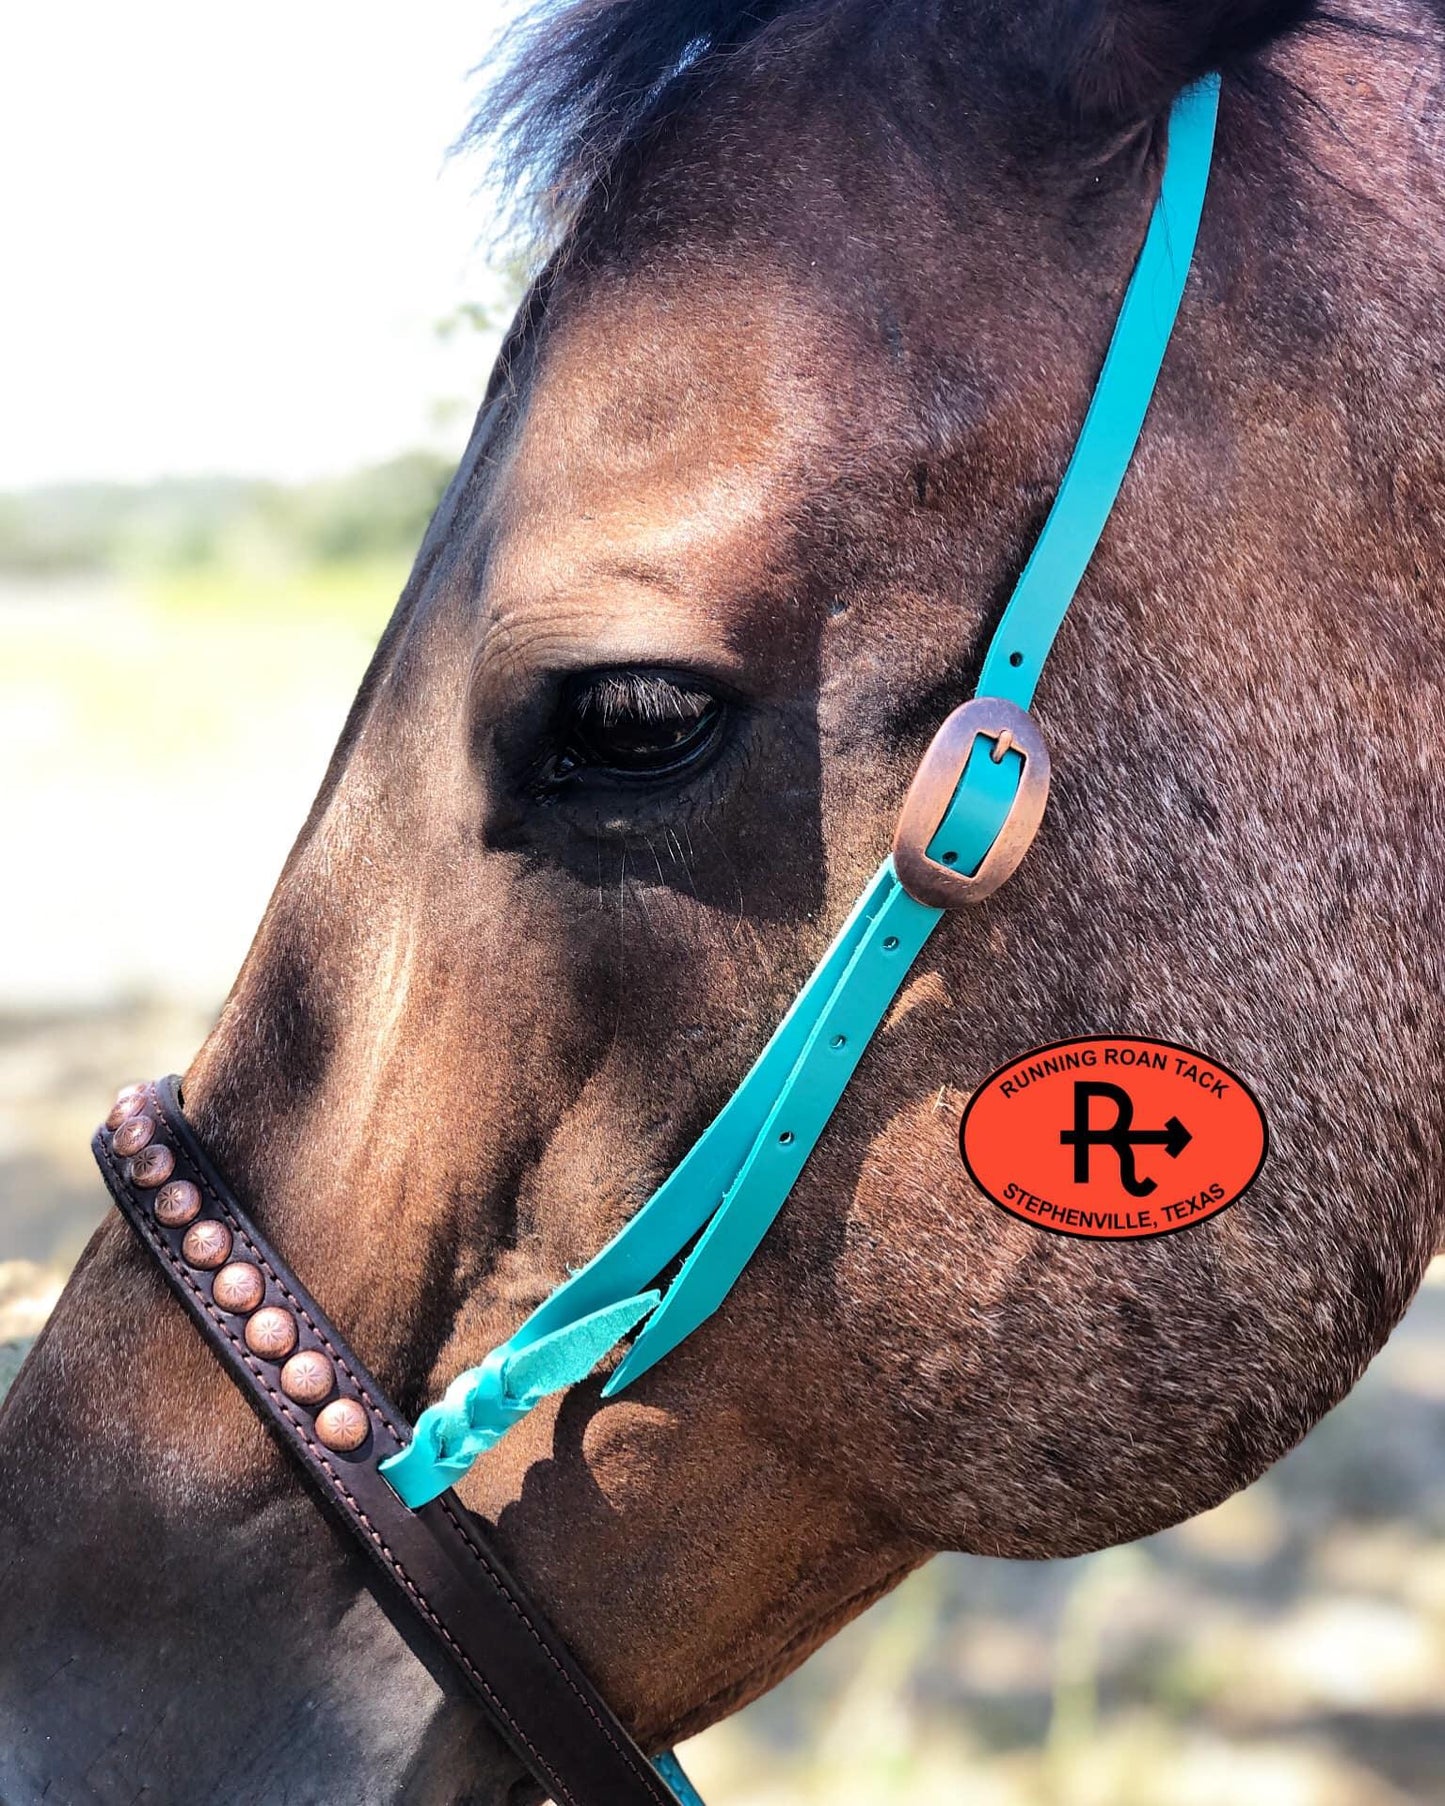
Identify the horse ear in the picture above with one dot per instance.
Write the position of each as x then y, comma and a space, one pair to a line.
1122, 60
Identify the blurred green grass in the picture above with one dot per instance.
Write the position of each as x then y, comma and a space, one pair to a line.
231, 526
188, 650
160, 669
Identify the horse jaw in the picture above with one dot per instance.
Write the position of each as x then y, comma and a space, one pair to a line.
180, 1620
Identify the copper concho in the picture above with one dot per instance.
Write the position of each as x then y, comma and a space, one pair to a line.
207, 1244
271, 1333
128, 1100
238, 1287
177, 1204
342, 1425
133, 1134
153, 1165
308, 1377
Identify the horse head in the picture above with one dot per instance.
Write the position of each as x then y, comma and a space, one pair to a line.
774, 431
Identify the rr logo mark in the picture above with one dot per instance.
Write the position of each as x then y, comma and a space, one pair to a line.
1120, 1135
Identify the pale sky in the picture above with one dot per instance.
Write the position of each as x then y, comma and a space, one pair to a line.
229, 232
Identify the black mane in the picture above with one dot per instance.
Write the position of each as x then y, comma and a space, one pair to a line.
581, 82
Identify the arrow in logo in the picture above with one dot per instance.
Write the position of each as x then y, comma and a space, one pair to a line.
1173, 1137
1120, 1135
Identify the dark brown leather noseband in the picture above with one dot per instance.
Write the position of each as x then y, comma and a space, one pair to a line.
331, 1415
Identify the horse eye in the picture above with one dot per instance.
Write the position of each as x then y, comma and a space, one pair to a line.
636, 724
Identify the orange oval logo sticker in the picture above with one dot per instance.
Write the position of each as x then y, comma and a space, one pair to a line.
1114, 1138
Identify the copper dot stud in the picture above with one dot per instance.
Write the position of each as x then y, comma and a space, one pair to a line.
207, 1244
133, 1134
307, 1377
342, 1425
128, 1100
238, 1287
271, 1333
153, 1165
178, 1203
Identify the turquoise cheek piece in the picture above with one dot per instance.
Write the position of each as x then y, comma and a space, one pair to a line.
668, 1766
731, 1185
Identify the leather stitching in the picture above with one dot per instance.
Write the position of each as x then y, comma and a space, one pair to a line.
225, 1207
228, 1210
163, 1248
479, 1556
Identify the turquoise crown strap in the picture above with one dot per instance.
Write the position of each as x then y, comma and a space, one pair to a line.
730, 1187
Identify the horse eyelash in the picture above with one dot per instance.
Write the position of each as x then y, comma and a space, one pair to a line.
616, 696
605, 698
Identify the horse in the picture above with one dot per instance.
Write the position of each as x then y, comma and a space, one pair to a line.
824, 290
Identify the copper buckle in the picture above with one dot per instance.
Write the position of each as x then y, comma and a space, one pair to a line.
929, 880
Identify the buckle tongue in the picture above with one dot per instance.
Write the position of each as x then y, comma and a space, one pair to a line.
931, 794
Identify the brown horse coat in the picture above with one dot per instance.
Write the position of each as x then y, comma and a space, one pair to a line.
778, 429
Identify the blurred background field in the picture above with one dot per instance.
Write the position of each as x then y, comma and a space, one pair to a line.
194, 566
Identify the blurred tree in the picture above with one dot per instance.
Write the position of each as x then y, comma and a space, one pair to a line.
202, 523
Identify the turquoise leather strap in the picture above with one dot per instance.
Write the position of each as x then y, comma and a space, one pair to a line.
668, 1766
733, 1182
1104, 449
